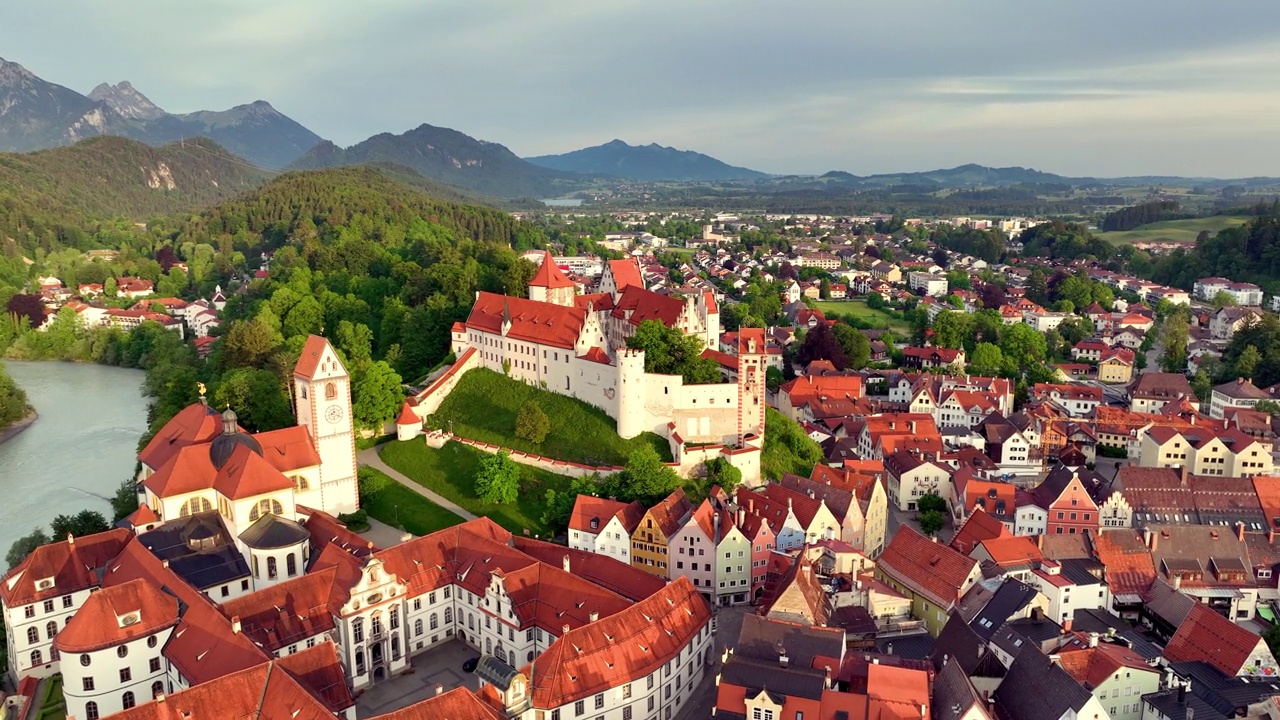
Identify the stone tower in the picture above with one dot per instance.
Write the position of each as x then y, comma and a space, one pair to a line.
322, 396
752, 363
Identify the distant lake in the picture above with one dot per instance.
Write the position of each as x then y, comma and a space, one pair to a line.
562, 202
73, 457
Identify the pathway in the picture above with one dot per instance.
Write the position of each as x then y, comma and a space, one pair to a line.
370, 457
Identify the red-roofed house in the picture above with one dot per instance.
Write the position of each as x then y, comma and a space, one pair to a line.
1209, 637
604, 526
933, 575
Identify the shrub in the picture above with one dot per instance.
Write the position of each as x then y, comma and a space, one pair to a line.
531, 423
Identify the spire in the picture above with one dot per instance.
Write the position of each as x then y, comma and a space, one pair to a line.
549, 275
229, 426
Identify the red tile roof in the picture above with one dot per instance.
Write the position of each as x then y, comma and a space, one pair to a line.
928, 568
980, 526
1207, 636
288, 449
457, 704
1130, 569
117, 615
309, 360
625, 273
287, 612
248, 474
622, 648
1012, 551
671, 512
319, 670
266, 690
187, 471
531, 321
549, 275
616, 576
196, 423
142, 516
407, 416
588, 508
1093, 666
637, 304
71, 567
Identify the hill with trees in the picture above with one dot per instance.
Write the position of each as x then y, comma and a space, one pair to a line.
1247, 253
645, 162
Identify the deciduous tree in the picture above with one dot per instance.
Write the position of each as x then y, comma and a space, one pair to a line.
376, 396
532, 423
498, 479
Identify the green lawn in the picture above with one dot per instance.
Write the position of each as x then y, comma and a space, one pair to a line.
400, 507
451, 470
1184, 231
484, 405
52, 705
858, 308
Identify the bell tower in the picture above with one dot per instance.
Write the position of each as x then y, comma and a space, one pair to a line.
751, 383
322, 396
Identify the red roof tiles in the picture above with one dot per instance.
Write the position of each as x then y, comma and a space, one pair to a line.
117, 615
70, 566
928, 568
288, 449
531, 321
549, 275
1207, 636
195, 424
309, 360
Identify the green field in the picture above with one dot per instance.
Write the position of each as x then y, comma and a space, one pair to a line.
1183, 231
402, 508
859, 309
450, 472
484, 405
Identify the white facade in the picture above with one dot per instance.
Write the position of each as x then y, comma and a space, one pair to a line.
928, 284
906, 490
324, 407
103, 682
1031, 520
30, 631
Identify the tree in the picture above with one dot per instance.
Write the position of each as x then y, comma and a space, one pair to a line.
1022, 347
1223, 299
1174, 336
23, 546
951, 329
356, 342
824, 289
532, 423
646, 478
1270, 407
992, 296
720, 472
1202, 385
1038, 287
371, 482
820, 344
125, 501
930, 502
668, 351
257, 397
773, 378
854, 344
28, 308
85, 522
987, 359
875, 301
498, 480
1247, 363
931, 522
376, 396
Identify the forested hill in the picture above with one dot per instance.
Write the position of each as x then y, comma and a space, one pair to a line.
451, 157
111, 177
1248, 253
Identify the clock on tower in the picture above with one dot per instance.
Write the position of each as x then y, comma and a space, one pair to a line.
322, 395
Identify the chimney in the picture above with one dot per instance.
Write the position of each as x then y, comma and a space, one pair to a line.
564, 563
1240, 531
439, 689
235, 624
889, 648
1093, 639
827, 674
1177, 582
742, 516
564, 629
593, 616
1040, 541
1155, 541
1185, 472
1066, 625
71, 539
1182, 694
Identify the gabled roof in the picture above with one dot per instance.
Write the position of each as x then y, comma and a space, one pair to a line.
457, 704
980, 526
288, 449
186, 471
954, 696
263, 690
309, 360
117, 615
798, 597
671, 513
195, 424
588, 508
1035, 688
805, 508
927, 567
287, 612
248, 474
636, 304
549, 275
1205, 635
625, 273
71, 566
1093, 666
1130, 571
531, 321
319, 670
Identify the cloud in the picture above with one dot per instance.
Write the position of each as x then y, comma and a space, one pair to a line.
1087, 87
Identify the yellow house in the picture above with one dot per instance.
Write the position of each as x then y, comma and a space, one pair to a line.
1116, 366
650, 541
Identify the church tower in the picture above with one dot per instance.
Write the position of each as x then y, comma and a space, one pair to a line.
752, 356
322, 396
551, 285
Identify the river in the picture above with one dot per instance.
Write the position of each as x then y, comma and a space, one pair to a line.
76, 454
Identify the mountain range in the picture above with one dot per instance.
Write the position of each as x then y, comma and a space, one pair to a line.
36, 114
645, 162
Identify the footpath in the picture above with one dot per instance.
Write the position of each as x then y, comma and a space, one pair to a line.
370, 458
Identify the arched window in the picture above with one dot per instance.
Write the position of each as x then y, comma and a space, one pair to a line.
448, 615
359, 662
291, 564
91, 710
157, 689
51, 629
417, 627
300, 483
36, 658
195, 505
266, 506
84, 660
528, 657
127, 700
33, 635
330, 391
122, 651
434, 622
271, 568
395, 647
357, 629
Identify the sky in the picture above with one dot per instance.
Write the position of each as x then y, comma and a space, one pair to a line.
1077, 87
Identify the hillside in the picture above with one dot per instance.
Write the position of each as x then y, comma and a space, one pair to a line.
109, 177
1182, 231
450, 157
36, 114
645, 162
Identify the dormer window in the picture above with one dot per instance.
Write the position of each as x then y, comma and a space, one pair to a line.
595, 523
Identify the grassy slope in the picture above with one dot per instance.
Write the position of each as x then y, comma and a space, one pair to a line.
451, 470
787, 449
1175, 230
858, 308
400, 507
484, 405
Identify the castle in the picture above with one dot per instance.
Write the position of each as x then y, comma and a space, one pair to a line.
233, 583
576, 345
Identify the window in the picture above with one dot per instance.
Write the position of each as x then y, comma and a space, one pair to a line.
84, 660
154, 664
626, 691
330, 391
448, 615
417, 626
578, 708
244, 584
434, 623
266, 506
195, 505
127, 701
599, 700
29, 611
357, 630
626, 713
125, 675
51, 629
91, 710
395, 618
291, 565
151, 641
226, 591
87, 682
33, 635
48, 606
359, 662
157, 689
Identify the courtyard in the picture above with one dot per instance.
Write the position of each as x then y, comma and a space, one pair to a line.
440, 665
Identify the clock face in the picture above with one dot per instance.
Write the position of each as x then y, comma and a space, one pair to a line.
334, 413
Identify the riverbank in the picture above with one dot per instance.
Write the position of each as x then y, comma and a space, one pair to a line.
13, 430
